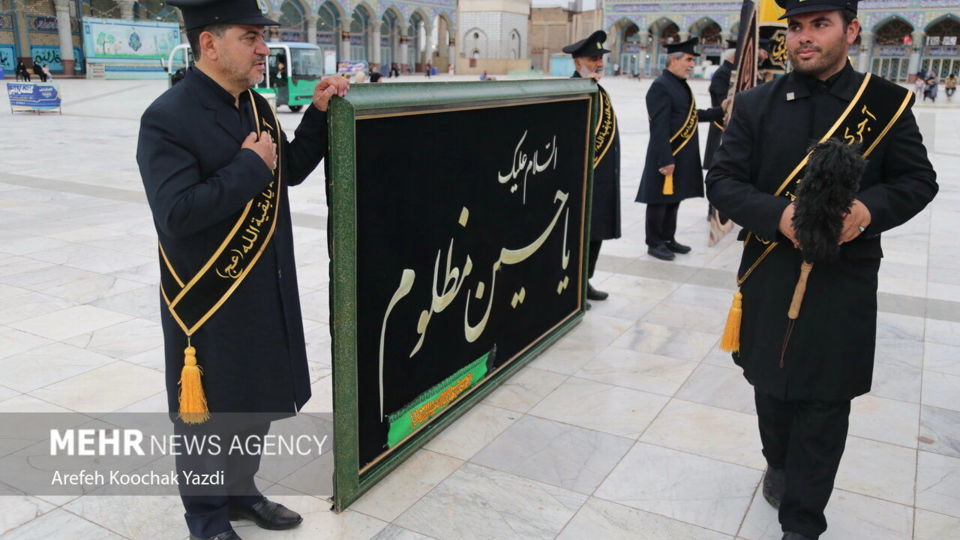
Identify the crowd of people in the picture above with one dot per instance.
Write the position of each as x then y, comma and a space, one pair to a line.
927, 86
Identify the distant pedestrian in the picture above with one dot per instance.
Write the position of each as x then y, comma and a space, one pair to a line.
931, 88
46, 71
22, 73
950, 85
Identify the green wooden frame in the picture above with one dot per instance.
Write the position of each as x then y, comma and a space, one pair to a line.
364, 100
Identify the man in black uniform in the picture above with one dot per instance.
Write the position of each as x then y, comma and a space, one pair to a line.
719, 91
215, 166
805, 370
672, 171
605, 210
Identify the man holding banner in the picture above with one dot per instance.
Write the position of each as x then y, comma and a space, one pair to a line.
672, 171
806, 367
216, 166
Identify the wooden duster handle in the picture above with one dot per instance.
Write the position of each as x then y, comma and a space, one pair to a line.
800, 289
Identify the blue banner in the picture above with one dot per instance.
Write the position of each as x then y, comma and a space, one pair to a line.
33, 96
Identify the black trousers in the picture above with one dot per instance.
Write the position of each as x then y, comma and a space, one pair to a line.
208, 509
805, 438
593, 256
661, 223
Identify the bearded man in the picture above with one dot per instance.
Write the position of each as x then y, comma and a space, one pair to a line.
806, 367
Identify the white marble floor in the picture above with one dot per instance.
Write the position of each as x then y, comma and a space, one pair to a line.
632, 426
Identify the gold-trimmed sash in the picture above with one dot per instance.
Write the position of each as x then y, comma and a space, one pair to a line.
191, 304
606, 129
684, 135
875, 104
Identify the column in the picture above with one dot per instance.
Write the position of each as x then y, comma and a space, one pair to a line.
866, 47
914, 65
452, 51
431, 46
375, 36
345, 46
404, 49
66, 36
683, 36
126, 9
312, 28
22, 35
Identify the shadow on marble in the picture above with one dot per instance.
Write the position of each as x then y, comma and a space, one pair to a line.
708, 431
682, 486
406, 485
719, 386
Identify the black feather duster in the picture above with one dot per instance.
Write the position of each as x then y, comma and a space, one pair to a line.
828, 188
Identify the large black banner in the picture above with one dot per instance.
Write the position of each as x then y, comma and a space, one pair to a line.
470, 238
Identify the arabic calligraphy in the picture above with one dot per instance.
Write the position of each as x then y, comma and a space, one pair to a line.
863, 126
252, 230
447, 284
523, 163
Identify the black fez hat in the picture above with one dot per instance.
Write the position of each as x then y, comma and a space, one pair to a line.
796, 7
592, 46
200, 13
689, 46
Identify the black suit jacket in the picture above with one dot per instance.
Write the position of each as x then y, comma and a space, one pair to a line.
605, 208
197, 180
668, 102
830, 352
719, 89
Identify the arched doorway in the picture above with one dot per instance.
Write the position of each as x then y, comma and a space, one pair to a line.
941, 55
662, 32
711, 39
329, 28
629, 48
443, 39
475, 43
293, 22
891, 50
360, 34
389, 39
103, 9
155, 10
416, 42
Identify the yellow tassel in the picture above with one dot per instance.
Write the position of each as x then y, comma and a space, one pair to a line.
193, 404
730, 341
668, 185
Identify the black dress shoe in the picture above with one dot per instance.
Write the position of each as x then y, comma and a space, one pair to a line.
774, 486
268, 515
790, 535
661, 252
225, 535
593, 294
677, 247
